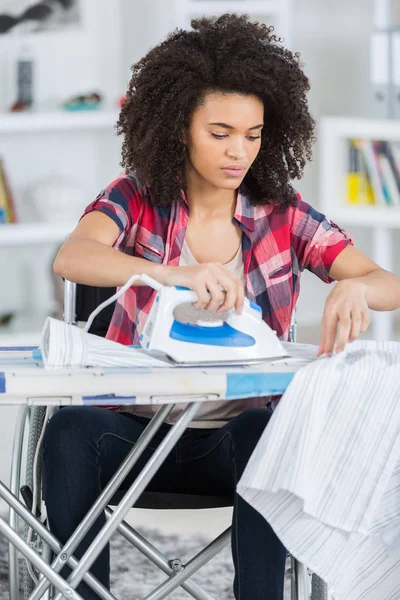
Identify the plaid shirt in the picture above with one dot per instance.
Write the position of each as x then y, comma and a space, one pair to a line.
276, 248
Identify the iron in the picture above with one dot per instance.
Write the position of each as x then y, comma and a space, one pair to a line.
207, 339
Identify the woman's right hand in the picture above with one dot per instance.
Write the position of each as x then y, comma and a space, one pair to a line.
216, 287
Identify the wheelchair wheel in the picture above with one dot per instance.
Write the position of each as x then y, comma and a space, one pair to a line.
15, 483
319, 589
36, 418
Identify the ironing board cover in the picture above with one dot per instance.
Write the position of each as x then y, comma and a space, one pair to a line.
23, 378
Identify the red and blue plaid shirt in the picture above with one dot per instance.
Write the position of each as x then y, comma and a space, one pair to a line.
276, 248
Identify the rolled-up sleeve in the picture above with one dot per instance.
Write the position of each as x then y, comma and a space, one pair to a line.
121, 201
316, 240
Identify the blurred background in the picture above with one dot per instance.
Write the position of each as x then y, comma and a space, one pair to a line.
64, 68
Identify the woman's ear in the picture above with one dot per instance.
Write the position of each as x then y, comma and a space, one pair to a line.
184, 137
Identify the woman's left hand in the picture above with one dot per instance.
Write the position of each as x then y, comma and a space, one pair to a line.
346, 315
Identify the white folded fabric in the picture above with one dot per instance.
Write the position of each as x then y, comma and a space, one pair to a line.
326, 471
66, 345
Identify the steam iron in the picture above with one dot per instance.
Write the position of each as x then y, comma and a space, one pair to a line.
222, 340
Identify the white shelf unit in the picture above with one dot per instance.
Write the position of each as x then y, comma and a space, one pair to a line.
278, 11
334, 133
19, 234
41, 122
36, 145
25, 234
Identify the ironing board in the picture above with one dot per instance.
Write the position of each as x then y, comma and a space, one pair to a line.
24, 381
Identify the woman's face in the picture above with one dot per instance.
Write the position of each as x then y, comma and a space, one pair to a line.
224, 138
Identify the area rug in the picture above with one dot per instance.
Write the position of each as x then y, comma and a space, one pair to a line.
133, 576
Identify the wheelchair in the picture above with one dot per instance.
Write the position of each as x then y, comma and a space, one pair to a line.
79, 302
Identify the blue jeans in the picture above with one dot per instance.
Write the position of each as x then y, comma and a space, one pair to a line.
84, 446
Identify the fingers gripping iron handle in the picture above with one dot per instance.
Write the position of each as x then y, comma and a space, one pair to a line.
217, 288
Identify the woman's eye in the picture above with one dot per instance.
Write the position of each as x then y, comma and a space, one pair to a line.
221, 136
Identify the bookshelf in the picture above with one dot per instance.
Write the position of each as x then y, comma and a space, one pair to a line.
25, 234
15, 125
81, 147
56, 121
334, 134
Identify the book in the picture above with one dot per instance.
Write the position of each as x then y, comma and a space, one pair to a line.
368, 197
3, 199
394, 155
359, 189
373, 171
391, 151
353, 179
389, 180
7, 206
378, 148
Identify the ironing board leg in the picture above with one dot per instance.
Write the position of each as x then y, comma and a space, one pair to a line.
302, 581
161, 561
35, 559
293, 578
136, 489
165, 588
105, 496
47, 537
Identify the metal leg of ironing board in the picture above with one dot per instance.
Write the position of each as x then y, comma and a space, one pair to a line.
15, 486
293, 578
161, 561
15, 482
165, 588
136, 489
39, 563
21, 510
302, 581
105, 496
47, 555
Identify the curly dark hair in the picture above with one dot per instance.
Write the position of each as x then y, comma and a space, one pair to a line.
227, 54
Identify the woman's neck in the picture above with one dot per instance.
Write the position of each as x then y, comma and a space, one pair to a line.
206, 201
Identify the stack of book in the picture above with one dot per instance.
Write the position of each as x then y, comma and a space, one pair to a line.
373, 176
7, 208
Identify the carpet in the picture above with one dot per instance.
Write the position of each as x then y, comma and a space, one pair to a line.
133, 576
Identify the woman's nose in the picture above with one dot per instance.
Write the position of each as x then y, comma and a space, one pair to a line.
237, 150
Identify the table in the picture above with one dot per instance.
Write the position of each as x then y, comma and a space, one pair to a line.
24, 381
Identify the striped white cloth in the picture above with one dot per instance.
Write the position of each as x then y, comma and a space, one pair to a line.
65, 345
326, 471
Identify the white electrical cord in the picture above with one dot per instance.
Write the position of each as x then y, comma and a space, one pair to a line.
145, 278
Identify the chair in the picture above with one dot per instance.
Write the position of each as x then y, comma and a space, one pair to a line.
79, 302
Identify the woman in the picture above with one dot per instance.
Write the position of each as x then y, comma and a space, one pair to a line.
215, 125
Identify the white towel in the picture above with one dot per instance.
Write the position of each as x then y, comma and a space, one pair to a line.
326, 471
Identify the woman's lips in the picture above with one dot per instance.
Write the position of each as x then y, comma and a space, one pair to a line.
233, 172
